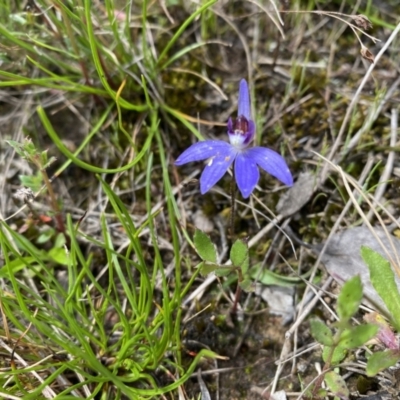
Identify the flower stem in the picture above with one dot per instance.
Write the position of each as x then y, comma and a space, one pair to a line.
237, 294
232, 235
233, 203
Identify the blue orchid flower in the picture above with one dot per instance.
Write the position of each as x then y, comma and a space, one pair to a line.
221, 155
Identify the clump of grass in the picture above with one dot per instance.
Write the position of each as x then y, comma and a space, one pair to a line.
76, 324
71, 332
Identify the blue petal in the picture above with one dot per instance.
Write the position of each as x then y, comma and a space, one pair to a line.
271, 162
203, 150
216, 168
246, 174
244, 100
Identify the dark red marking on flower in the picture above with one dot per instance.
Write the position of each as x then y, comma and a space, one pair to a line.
241, 125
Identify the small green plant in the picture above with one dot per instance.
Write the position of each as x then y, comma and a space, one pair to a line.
41, 161
383, 280
336, 342
71, 318
239, 257
239, 263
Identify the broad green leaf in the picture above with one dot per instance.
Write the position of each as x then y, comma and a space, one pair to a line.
337, 385
204, 247
240, 255
382, 360
339, 353
382, 278
349, 298
357, 336
321, 333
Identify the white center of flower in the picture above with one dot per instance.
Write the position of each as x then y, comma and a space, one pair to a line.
237, 139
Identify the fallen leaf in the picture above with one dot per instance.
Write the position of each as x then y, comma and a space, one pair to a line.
298, 195
202, 222
280, 300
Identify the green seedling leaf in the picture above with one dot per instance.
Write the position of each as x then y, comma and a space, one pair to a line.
321, 333
60, 256
207, 268
43, 158
240, 255
205, 247
349, 298
357, 336
381, 360
383, 280
223, 271
29, 147
337, 385
267, 277
60, 240
26, 149
321, 393
247, 285
339, 353
49, 162
45, 236
33, 182
17, 147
